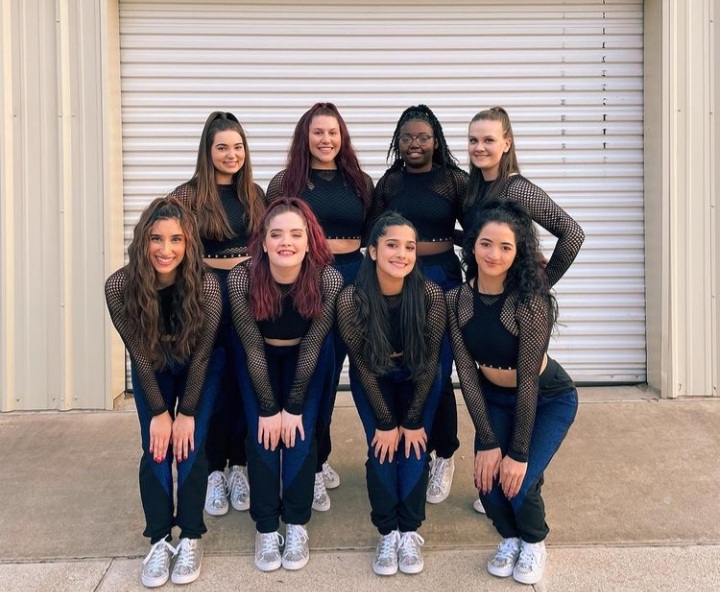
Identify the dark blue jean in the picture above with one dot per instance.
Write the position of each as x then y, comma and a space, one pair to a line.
396, 489
523, 516
156, 479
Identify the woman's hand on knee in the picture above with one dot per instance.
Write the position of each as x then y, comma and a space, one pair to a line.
183, 436
269, 431
487, 467
512, 473
414, 440
385, 443
290, 424
160, 433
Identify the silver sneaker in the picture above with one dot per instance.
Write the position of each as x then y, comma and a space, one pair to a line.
410, 559
216, 503
386, 554
297, 550
321, 499
503, 562
188, 562
478, 506
267, 550
531, 563
156, 566
239, 487
441, 478
330, 476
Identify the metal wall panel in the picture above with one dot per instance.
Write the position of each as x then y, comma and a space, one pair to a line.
570, 74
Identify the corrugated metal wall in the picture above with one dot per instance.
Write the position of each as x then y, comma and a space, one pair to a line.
570, 74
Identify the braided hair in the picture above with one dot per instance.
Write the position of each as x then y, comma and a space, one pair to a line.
441, 155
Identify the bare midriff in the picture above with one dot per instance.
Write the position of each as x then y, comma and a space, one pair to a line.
225, 262
433, 247
342, 246
506, 378
282, 342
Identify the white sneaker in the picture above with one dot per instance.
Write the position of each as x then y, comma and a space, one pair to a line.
189, 561
239, 487
156, 566
531, 563
441, 477
321, 499
330, 476
410, 559
503, 562
478, 506
216, 503
267, 550
297, 551
386, 554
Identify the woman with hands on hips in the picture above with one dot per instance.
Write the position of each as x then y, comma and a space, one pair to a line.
393, 321
283, 309
166, 306
522, 402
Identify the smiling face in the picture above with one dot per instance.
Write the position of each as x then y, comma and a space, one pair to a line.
325, 141
228, 155
166, 249
416, 145
286, 243
394, 257
495, 251
486, 145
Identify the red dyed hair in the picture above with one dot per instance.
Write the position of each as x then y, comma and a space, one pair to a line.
265, 296
297, 169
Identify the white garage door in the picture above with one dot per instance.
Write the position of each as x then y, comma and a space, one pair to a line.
570, 73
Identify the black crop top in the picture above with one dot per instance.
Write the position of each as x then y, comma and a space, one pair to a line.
200, 357
238, 284
431, 201
237, 216
290, 324
339, 210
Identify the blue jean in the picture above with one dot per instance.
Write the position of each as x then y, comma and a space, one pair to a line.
523, 516
396, 489
293, 467
156, 479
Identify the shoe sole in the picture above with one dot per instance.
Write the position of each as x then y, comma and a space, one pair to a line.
294, 565
186, 579
415, 569
218, 512
331, 484
155, 582
268, 566
436, 500
385, 571
318, 508
241, 507
526, 579
500, 573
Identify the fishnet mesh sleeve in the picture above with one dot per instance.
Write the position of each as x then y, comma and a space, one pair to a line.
186, 194
435, 325
311, 343
199, 360
552, 218
275, 187
238, 286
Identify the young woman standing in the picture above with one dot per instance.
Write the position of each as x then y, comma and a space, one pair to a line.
228, 206
323, 170
393, 322
167, 310
283, 310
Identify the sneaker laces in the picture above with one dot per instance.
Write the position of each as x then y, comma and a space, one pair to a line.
529, 557
388, 546
186, 551
507, 549
270, 542
238, 484
156, 557
410, 543
296, 539
328, 472
320, 489
218, 486
438, 472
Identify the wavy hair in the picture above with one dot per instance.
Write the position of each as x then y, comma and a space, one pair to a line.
265, 296
212, 220
441, 155
526, 277
142, 303
297, 168
372, 316
508, 160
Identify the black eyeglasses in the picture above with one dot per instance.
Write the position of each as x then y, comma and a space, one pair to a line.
422, 139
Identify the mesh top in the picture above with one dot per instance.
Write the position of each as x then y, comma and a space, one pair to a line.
197, 366
434, 331
237, 217
530, 323
547, 214
431, 201
246, 326
339, 210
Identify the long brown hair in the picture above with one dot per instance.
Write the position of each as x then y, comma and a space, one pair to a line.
508, 160
265, 296
142, 304
212, 221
